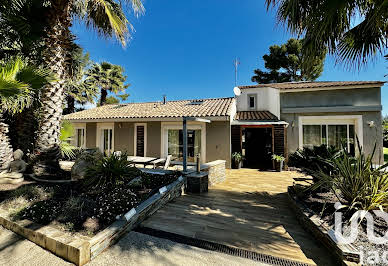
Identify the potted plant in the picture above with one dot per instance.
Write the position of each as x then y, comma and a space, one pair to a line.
236, 160
279, 160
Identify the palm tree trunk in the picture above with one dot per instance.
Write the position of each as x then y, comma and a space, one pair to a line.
5, 144
47, 151
22, 131
104, 93
70, 105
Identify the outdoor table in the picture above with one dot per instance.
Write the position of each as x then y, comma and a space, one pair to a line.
145, 160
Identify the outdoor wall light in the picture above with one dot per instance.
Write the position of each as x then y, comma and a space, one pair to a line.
293, 124
371, 123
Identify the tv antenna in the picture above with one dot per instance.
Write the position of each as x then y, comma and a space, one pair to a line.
236, 63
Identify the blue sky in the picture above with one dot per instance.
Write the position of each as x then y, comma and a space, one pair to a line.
185, 49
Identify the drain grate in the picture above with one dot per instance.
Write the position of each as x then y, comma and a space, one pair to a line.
268, 259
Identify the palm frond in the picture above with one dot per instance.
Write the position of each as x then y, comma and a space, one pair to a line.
330, 23
108, 19
19, 83
67, 133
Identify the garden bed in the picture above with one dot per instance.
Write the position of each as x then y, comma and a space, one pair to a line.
73, 208
315, 211
77, 224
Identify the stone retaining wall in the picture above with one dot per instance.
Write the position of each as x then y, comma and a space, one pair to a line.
216, 170
313, 224
81, 249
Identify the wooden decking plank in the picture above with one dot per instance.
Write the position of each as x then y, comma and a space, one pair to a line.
250, 210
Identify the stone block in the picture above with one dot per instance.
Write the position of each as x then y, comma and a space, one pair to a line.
216, 171
197, 182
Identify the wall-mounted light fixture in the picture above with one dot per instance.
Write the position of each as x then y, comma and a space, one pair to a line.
371, 123
293, 124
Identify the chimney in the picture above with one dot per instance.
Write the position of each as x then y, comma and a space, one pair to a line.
164, 99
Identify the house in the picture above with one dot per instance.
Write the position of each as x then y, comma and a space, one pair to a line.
259, 121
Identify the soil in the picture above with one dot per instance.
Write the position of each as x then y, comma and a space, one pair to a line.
322, 203
74, 208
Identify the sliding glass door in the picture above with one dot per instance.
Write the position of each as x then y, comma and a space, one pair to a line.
338, 136
175, 144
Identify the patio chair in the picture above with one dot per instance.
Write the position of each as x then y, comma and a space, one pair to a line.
166, 162
117, 153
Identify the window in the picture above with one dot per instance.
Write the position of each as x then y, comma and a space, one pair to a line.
252, 101
107, 141
330, 135
80, 138
175, 144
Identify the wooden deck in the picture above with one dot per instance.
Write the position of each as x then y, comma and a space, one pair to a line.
250, 211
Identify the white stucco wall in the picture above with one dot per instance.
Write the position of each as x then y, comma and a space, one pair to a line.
267, 99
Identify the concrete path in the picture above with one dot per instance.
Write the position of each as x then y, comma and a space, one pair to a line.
134, 248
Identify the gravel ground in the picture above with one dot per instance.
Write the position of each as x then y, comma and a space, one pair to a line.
134, 248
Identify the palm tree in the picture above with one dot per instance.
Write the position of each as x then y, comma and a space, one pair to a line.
108, 19
19, 83
75, 88
106, 77
328, 23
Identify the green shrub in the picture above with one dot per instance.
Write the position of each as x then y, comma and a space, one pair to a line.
152, 181
110, 171
77, 209
277, 158
237, 157
315, 159
355, 181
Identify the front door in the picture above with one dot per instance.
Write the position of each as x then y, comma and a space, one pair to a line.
258, 148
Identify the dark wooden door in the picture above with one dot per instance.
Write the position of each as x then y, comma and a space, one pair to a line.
140, 141
258, 148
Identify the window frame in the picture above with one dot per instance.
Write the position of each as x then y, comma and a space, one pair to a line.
347, 120
100, 127
77, 126
135, 138
165, 126
254, 101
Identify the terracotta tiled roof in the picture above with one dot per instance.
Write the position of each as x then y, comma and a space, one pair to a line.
193, 108
313, 85
255, 116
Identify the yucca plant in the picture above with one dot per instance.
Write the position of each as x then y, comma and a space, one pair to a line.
317, 158
110, 171
376, 196
355, 181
